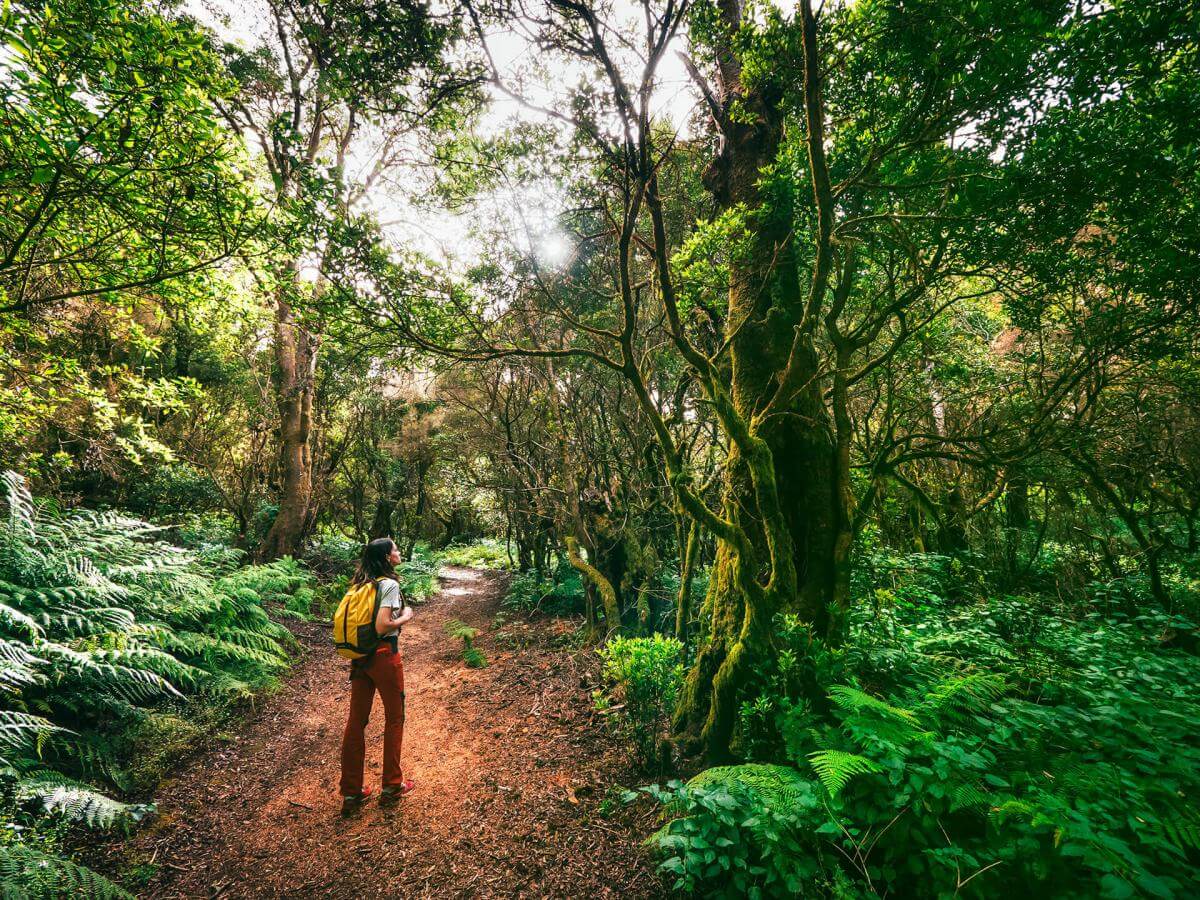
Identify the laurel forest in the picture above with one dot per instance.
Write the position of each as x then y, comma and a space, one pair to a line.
820, 379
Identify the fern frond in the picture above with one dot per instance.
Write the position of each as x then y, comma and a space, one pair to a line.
21, 511
963, 694
14, 621
18, 667
474, 658
78, 802
1180, 825
25, 872
457, 629
851, 699
969, 796
776, 787
21, 731
836, 768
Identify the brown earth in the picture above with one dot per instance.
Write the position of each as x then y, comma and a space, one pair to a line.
514, 775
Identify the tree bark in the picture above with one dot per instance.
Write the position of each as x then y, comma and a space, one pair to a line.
294, 379
766, 307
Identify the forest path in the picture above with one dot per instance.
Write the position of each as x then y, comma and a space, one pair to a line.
510, 774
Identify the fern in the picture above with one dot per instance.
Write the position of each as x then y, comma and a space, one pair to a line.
25, 872
98, 617
962, 695
460, 630
852, 699
471, 655
474, 658
835, 768
776, 787
75, 801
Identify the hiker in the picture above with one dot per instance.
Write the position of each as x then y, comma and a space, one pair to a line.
381, 669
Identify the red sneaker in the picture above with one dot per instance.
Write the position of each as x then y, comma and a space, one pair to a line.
392, 793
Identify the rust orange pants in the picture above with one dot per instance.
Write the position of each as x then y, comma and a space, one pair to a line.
385, 674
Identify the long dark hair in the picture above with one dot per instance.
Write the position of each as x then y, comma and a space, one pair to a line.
374, 562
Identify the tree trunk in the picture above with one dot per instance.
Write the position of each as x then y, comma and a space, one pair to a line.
687, 570
294, 382
381, 524
1016, 520
765, 303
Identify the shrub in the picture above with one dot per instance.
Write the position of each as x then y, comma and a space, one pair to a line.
487, 553
741, 831
646, 674
333, 554
419, 576
204, 531
98, 619
972, 749
561, 595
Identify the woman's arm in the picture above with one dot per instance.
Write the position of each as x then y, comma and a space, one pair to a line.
390, 617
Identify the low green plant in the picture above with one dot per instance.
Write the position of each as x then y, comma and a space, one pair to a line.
100, 622
201, 531
471, 655
970, 749
740, 831
487, 553
645, 674
418, 576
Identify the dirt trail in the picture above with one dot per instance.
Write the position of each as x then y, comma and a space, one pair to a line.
510, 781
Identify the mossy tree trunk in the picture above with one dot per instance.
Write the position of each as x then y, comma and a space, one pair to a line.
778, 528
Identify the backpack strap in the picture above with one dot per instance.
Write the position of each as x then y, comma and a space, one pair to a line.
378, 603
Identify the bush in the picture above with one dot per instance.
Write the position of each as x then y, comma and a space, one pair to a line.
333, 554
204, 531
173, 488
646, 674
99, 621
487, 553
972, 749
419, 576
741, 831
561, 595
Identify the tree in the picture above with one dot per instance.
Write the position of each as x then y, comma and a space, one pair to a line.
331, 85
117, 175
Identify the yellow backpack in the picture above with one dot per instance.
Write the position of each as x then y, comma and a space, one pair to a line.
354, 634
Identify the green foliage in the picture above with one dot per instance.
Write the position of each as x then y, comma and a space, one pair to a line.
529, 593
471, 654
100, 621
835, 768
419, 575
645, 674
25, 872
487, 553
205, 531
972, 747
739, 831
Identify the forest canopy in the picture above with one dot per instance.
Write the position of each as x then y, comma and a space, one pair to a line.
843, 354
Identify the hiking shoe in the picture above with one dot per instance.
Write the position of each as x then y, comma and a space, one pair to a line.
392, 793
351, 803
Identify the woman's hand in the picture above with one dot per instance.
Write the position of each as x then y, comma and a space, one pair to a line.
404, 616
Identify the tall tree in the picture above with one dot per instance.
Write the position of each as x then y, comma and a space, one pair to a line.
335, 87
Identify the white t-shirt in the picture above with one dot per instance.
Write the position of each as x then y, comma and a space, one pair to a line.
389, 595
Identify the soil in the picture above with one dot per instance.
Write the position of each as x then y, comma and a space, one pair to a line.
516, 779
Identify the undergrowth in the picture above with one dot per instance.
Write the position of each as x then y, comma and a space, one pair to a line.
965, 745
487, 553
102, 626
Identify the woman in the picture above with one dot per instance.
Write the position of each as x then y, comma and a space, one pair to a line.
383, 671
